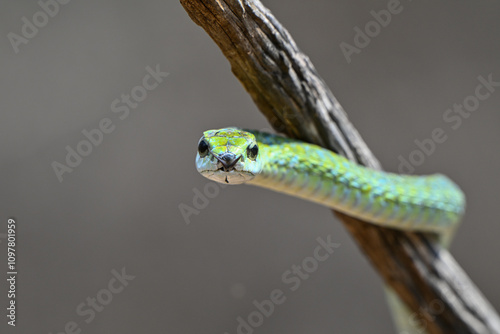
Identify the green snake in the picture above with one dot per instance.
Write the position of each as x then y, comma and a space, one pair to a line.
420, 203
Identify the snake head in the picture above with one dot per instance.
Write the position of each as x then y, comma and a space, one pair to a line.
228, 155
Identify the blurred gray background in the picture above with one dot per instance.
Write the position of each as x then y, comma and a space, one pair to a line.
120, 207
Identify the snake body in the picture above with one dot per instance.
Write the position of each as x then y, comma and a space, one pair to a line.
425, 203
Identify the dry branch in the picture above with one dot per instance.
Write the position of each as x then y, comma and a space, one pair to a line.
289, 92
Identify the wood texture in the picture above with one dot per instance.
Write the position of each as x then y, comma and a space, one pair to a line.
290, 93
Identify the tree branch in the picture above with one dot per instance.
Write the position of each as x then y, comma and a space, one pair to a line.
290, 93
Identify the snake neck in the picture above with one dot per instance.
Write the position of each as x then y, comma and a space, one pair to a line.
428, 203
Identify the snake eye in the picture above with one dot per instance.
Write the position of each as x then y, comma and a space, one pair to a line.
203, 148
252, 152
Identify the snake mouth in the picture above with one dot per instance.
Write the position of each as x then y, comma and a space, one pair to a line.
232, 177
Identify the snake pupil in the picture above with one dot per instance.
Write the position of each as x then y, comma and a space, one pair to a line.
202, 148
252, 151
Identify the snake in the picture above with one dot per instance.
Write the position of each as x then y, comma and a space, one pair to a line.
431, 203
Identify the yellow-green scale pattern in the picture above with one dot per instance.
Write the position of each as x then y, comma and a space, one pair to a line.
426, 203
